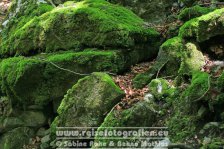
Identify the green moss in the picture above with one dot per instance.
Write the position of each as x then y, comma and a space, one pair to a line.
17, 19
36, 80
89, 23
161, 89
199, 85
144, 112
185, 120
175, 58
104, 91
168, 58
181, 127
141, 80
192, 59
193, 12
204, 27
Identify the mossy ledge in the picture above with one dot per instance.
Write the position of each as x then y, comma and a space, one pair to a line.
39, 80
204, 27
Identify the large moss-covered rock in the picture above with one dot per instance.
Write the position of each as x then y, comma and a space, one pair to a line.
89, 23
205, 27
176, 57
88, 100
155, 11
16, 138
86, 104
46, 77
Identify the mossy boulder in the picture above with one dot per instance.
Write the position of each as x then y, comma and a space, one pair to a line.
194, 12
88, 100
205, 27
76, 25
86, 103
141, 114
16, 138
40, 79
175, 57
179, 57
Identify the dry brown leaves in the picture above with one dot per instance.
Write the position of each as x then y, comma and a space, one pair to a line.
215, 68
4, 5
132, 95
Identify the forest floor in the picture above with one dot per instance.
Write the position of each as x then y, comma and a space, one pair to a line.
124, 81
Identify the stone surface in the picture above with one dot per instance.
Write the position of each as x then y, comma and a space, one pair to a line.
16, 138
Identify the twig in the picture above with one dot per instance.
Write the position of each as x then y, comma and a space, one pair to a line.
81, 74
161, 68
68, 70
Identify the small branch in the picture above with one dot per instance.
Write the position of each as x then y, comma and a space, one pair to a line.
50, 1
161, 68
